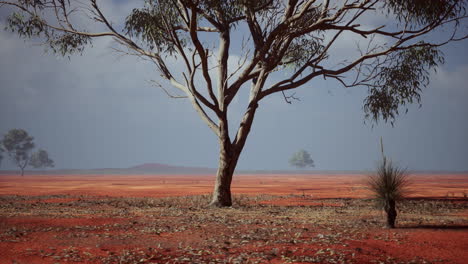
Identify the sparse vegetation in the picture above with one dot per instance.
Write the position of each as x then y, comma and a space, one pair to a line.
91, 229
388, 184
19, 144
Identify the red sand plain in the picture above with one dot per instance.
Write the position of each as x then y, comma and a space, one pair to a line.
372, 244
316, 186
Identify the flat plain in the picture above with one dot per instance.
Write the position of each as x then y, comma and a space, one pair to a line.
275, 219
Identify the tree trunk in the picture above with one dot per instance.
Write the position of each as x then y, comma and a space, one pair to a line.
222, 189
391, 214
23, 165
229, 155
228, 158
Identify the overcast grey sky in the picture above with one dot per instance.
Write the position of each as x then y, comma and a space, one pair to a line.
98, 110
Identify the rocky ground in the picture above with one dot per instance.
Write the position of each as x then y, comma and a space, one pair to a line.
257, 229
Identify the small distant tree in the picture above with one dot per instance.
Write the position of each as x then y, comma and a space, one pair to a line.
389, 185
18, 144
40, 159
1, 153
301, 159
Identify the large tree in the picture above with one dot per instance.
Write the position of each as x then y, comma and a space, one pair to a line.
296, 37
18, 144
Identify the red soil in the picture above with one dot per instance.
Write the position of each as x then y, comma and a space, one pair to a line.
115, 234
300, 201
315, 186
53, 240
448, 245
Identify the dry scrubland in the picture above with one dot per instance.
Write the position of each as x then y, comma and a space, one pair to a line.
275, 219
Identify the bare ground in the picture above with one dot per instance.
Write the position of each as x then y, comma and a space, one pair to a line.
257, 229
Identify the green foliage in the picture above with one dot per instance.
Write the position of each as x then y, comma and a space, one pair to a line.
228, 10
18, 144
28, 25
68, 43
25, 26
401, 82
302, 49
301, 159
152, 23
37, 4
423, 12
40, 159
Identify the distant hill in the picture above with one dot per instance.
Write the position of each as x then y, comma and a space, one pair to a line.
152, 166
158, 168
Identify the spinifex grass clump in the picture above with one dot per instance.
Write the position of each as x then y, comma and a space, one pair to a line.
389, 185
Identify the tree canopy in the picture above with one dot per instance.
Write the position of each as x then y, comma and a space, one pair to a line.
281, 33
40, 159
301, 159
18, 144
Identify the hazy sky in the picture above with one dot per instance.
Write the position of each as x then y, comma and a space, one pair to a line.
99, 110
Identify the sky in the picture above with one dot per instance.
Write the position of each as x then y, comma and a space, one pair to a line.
99, 110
